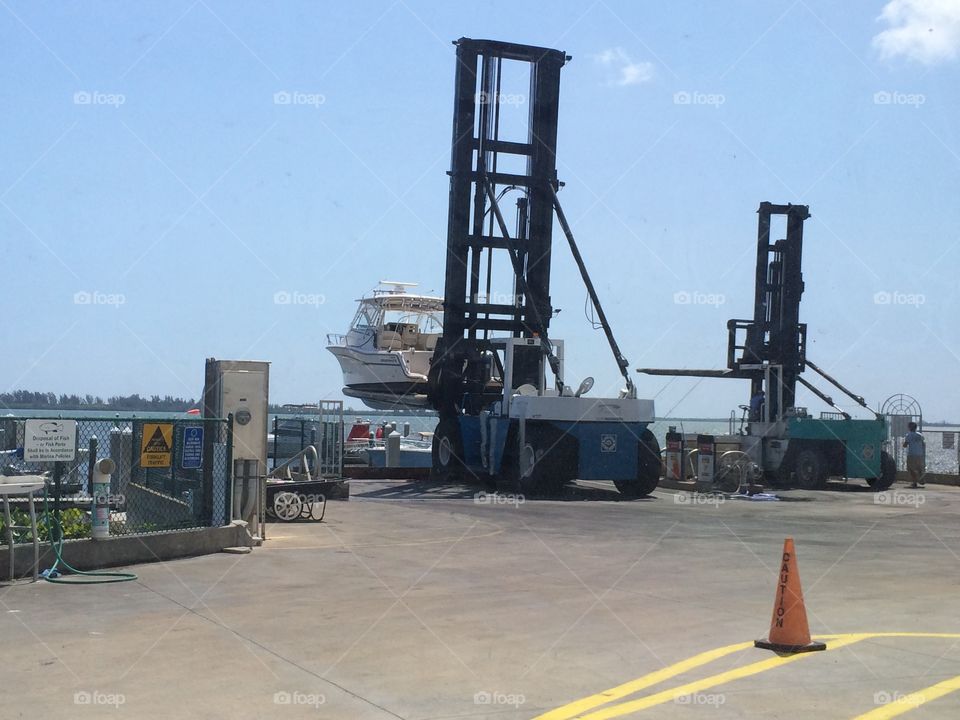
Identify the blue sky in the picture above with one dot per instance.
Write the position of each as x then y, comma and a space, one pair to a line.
147, 164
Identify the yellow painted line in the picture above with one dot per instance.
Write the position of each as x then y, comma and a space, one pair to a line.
578, 707
588, 703
696, 686
871, 636
912, 701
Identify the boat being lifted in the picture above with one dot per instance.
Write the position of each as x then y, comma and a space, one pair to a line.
385, 355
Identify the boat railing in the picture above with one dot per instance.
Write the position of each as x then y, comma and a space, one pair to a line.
336, 339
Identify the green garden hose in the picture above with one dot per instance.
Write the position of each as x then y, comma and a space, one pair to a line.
53, 575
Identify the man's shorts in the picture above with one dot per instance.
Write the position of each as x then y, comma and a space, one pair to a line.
915, 463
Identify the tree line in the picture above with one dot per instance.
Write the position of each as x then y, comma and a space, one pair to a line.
28, 399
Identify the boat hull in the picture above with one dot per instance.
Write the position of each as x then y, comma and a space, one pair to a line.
380, 379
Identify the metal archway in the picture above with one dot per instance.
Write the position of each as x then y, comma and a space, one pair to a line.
902, 404
899, 410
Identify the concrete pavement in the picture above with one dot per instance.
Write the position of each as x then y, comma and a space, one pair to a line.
423, 602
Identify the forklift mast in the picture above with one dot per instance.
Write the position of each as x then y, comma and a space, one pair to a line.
774, 342
771, 349
474, 308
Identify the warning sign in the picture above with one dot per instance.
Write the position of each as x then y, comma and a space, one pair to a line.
156, 446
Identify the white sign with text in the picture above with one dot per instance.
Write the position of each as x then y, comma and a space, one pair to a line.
49, 440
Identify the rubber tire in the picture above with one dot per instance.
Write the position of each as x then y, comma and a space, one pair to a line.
534, 482
549, 473
888, 473
539, 481
810, 469
447, 446
648, 468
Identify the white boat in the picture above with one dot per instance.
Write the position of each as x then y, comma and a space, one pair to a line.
385, 355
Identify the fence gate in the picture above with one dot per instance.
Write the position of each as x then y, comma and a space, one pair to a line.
900, 410
331, 439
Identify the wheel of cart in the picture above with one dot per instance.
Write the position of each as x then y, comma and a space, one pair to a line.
734, 470
289, 504
286, 506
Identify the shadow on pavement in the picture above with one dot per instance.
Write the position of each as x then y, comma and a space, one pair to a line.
577, 491
428, 490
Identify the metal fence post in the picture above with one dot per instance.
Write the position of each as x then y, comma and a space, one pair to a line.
56, 535
173, 461
228, 471
276, 437
91, 461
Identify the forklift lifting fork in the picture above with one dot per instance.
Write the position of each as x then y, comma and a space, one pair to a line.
781, 439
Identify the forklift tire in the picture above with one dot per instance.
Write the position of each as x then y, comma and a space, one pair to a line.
520, 472
888, 473
537, 472
648, 468
529, 472
810, 469
540, 467
447, 452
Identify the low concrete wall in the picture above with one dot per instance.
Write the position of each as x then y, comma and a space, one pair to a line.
130, 549
935, 478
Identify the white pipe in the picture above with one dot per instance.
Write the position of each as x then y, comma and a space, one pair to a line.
100, 490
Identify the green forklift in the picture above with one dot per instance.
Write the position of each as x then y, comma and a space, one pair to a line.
783, 441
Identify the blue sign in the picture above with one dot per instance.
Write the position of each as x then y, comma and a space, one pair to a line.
192, 455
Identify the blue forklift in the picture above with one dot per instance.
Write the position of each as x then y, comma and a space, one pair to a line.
506, 416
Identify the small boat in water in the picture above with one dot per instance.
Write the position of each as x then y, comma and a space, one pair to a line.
385, 355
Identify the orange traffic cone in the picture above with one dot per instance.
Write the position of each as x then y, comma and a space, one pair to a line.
789, 632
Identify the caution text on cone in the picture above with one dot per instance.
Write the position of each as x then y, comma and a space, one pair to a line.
789, 631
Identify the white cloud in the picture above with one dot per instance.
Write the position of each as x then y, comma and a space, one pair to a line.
927, 31
625, 71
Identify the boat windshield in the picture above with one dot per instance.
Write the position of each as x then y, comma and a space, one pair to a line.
368, 317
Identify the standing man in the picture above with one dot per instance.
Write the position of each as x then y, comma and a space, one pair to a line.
916, 455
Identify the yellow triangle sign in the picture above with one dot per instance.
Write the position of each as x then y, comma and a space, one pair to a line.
156, 445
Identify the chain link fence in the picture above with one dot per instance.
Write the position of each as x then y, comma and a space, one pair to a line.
171, 473
324, 430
